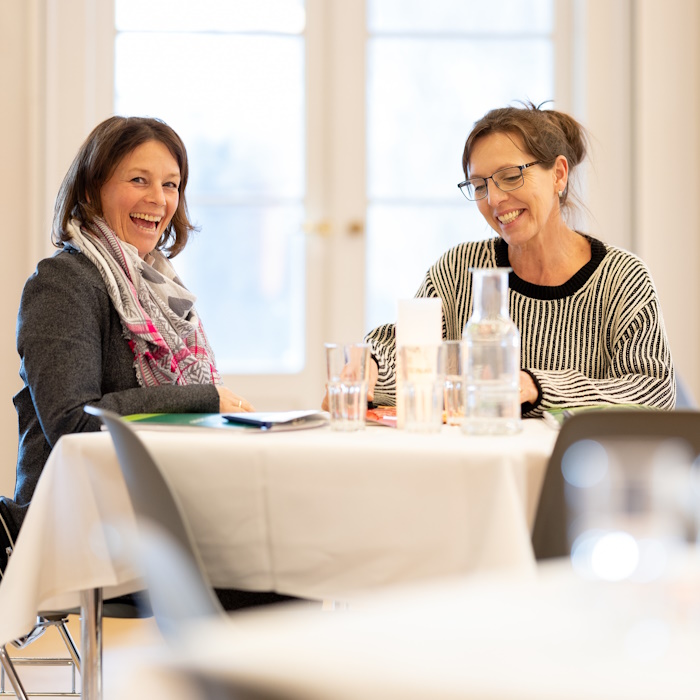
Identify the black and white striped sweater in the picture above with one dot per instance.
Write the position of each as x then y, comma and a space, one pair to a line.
598, 338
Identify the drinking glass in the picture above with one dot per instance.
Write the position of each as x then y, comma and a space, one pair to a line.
420, 389
451, 372
347, 375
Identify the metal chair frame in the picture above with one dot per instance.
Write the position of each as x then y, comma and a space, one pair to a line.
8, 671
91, 647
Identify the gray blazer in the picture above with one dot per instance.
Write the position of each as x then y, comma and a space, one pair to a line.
73, 352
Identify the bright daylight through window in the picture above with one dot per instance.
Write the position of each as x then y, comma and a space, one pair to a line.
433, 69
231, 81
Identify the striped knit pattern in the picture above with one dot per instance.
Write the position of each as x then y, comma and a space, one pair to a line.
598, 338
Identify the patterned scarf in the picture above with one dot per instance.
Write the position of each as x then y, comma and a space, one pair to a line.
157, 312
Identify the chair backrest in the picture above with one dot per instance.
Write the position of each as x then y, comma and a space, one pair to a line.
550, 537
178, 592
685, 401
166, 554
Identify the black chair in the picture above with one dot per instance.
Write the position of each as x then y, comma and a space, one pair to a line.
156, 505
685, 401
642, 428
157, 510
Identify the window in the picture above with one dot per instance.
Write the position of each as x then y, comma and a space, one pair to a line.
229, 78
432, 70
232, 79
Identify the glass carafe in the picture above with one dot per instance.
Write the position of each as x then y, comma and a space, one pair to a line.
492, 367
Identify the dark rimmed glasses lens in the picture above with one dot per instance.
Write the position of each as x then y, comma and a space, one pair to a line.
506, 179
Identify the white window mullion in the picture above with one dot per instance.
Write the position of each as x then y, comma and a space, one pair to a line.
346, 172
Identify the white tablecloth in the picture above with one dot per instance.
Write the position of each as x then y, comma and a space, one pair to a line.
492, 636
310, 513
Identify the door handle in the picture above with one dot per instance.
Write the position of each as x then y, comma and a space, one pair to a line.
321, 228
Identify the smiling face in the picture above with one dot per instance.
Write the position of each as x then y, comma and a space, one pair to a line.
521, 215
141, 196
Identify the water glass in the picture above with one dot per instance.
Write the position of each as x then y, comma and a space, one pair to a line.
420, 389
451, 372
347, 375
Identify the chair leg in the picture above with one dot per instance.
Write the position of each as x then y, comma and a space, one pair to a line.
91, 643
70, 644
12, 674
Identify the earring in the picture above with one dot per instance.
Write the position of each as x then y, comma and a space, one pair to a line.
560, 193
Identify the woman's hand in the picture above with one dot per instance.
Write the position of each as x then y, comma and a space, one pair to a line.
232, 403
528, 390
371, 382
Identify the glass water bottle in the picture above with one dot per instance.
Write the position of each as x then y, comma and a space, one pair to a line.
492, 368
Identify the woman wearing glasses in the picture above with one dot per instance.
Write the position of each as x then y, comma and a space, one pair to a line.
588, 313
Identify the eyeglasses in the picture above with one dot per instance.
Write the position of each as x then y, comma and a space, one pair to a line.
506, 179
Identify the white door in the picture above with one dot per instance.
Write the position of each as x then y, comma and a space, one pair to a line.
325, 142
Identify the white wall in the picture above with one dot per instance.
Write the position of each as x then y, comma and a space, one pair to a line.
637, 90
602, 101
639, 96
667, 173
42, 51
16, 183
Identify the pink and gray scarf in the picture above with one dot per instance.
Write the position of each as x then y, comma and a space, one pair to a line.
156, 310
